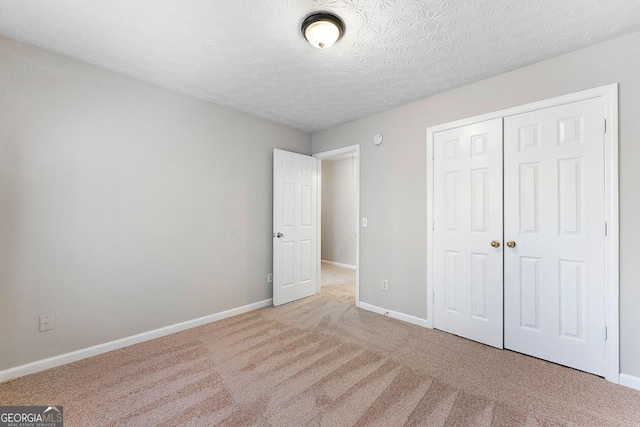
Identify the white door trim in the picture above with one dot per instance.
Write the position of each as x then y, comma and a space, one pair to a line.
330, 155
609, 94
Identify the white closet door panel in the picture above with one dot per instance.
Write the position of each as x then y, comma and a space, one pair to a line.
554, 212
468, 216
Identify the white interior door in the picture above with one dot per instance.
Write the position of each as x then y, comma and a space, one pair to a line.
295, 226
468, 270
554, 212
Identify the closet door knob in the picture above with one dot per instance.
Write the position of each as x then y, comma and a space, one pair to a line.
495, 243
511, 244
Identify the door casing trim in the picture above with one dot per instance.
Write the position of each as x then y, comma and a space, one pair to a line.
609, 94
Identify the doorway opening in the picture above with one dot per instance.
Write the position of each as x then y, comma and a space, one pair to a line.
338, 223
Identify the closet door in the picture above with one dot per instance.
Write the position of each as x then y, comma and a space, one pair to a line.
554, 228
467, 232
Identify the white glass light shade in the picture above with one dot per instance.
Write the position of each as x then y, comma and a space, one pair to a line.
322, 34
322, 29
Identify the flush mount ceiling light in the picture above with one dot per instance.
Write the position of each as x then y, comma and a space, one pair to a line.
322, 29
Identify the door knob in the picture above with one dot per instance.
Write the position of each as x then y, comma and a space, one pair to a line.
279, 235
495, 243
511, 244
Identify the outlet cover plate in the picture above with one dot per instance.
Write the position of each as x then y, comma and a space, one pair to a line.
46, 322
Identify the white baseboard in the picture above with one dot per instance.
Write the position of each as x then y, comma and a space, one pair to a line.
394, 314
74, 356
339, 264
630, 381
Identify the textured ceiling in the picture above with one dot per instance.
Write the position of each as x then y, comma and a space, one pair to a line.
249, 54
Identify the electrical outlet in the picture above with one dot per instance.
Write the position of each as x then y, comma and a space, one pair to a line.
385, 285
269, 278
46, 322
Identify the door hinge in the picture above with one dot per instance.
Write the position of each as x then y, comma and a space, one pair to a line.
433, 295
604, 333
605, 228
604, 125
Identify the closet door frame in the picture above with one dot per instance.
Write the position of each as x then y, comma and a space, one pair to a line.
609, 95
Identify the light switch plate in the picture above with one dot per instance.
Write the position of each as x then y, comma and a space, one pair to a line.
364, 223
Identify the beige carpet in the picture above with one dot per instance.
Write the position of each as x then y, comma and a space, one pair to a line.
321, 361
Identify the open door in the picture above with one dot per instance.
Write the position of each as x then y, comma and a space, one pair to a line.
295, 226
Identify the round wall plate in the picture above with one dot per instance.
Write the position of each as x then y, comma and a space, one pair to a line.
377, 139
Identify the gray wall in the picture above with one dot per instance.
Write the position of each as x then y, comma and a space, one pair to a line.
393, 175
124, 207
339, 207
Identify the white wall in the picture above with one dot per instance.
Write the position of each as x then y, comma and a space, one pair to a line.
339, 207
124, 207
393, 175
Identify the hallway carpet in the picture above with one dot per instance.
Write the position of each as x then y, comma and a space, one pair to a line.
322, 362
